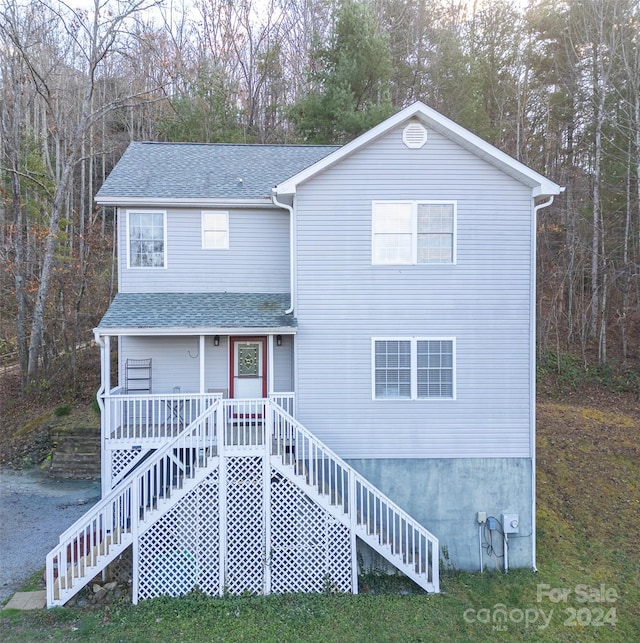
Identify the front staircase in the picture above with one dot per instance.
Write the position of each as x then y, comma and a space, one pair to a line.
244, 499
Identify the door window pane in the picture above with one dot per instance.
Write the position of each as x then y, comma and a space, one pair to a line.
248, 360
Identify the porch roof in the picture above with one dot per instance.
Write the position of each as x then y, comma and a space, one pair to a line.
198, 311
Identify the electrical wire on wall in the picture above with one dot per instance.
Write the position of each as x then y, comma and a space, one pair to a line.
489, 547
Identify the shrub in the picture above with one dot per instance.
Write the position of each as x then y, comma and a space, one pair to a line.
62, 410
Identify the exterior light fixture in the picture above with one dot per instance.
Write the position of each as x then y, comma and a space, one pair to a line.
279, 340
216, 340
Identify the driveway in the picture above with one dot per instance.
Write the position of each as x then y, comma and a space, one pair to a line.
34, 511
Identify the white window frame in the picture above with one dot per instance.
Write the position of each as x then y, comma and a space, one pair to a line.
414, 232
204, 229
164, 241
414, 369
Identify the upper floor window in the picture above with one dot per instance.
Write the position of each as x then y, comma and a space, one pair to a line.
147, 239
215, 230
413, 232
413, 368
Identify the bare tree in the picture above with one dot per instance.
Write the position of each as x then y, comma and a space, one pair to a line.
61, 50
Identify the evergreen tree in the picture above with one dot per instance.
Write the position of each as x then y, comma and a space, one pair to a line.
203, 113
349, 77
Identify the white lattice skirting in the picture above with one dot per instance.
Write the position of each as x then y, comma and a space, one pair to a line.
120, 461
240, 531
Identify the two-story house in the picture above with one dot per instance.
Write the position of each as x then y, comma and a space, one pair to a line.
324, 354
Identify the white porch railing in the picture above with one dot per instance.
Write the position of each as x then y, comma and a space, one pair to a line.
154, 417
285, 400
177, 466
158, 417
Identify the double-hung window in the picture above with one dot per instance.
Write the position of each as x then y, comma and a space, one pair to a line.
146, 239
414, 368
215, 230
414, 232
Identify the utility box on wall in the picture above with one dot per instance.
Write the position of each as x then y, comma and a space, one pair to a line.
510, 523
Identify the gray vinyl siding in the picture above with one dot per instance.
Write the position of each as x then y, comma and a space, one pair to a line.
283, 365
172, 361
257, 259
216, 365
176, 362
484, 301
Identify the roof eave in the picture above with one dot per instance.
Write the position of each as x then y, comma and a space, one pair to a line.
193, 330
195, 202
547, 189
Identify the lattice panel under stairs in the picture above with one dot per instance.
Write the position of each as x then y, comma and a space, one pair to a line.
120, 460
242, 519
121, 569
180, 552
245, 525
310, 549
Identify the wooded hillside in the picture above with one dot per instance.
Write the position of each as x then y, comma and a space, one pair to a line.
556, 85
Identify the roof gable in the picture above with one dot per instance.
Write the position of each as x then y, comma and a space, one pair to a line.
540, 186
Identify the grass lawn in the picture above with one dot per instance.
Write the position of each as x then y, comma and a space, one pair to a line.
586, 588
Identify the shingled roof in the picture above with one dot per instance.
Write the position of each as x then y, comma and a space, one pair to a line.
206, 171
198, 311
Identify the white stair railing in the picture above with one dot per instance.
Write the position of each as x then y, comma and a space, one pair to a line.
229, 426
109, 527
375, 518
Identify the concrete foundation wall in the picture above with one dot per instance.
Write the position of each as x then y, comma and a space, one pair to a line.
444, 495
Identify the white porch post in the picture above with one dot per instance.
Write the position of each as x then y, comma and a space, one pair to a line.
222, 496
353, 521
106, 364
270, 369
266, 494
202, 364
135, 550
105, 420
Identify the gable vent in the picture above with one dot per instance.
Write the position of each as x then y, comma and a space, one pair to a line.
414, 135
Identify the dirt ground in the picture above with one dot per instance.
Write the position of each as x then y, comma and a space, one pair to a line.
34, 508
588, 449
28, 423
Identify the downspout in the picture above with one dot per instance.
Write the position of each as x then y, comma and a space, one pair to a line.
534, 233
274, 199
102, 344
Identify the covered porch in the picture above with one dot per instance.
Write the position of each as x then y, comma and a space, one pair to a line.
166, 358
